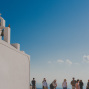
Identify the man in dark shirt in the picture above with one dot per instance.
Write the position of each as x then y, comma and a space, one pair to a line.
33, 84
73, 82
87, 85
81, 84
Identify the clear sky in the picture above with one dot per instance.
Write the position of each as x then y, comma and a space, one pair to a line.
55, 33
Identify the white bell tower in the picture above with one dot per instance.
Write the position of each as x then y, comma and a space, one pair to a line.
4, 31
2, 22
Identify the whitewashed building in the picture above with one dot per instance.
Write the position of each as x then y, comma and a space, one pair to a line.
14, 64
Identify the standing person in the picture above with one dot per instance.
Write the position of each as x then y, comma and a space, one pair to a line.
73, 82
87, 85
51, 86
64, 84
30, 86
77, 85
54, 84
33, 84
43, 80
44, 84
81, 84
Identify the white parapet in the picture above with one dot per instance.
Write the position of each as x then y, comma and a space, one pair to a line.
16, 45
7, 34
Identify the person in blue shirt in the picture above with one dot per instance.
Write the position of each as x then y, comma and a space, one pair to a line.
44, 84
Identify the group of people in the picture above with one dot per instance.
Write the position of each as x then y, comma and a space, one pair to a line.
76, 84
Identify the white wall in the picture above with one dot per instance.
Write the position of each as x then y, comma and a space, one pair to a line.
14, 68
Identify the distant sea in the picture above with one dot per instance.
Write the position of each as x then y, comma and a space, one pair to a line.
59, 88
56, 88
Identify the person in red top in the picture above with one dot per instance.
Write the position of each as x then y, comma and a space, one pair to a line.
77, 85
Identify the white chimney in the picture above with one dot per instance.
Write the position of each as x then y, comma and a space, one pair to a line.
7, 34
0, 34
16, 45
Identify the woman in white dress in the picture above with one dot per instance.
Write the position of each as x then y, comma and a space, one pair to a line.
64, 84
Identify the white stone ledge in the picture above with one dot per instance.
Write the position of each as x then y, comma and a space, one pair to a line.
13, 48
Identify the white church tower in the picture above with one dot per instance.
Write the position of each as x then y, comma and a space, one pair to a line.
14, 64
6, 30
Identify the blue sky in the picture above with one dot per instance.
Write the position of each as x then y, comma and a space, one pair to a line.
55, 33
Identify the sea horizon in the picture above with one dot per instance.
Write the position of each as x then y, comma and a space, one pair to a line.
58, 88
